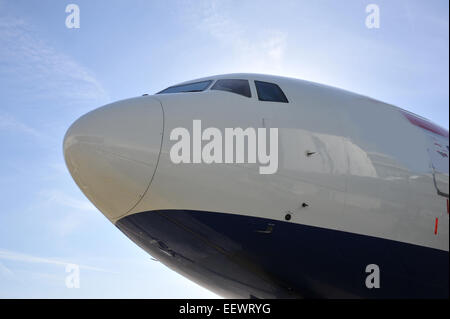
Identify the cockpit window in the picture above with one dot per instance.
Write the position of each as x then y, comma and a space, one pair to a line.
190, 87
233, 85
270, 92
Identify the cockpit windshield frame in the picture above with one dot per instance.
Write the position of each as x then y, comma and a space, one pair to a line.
187, 87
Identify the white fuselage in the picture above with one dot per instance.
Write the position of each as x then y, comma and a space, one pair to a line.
345, 163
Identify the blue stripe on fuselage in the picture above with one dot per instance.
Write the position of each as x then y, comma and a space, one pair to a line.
245, 256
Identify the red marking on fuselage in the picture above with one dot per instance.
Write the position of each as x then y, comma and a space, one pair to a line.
425, 124
442, 154
436, 226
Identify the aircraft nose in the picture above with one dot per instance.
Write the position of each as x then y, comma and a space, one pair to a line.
112, 153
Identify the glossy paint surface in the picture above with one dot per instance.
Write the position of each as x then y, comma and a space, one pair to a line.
112, 153
374, 175
242, 257
370, 174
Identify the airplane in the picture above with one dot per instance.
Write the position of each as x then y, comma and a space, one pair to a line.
358, 205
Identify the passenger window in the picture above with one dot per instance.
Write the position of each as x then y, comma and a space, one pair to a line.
236, 86
270, 92
189, 87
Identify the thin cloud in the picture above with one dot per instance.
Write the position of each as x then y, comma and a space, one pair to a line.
60, 198
5, 271
40, 70
68, 213
275, 44
20, 257
9, 123
264, 50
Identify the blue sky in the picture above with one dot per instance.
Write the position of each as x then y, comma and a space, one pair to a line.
50, 75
